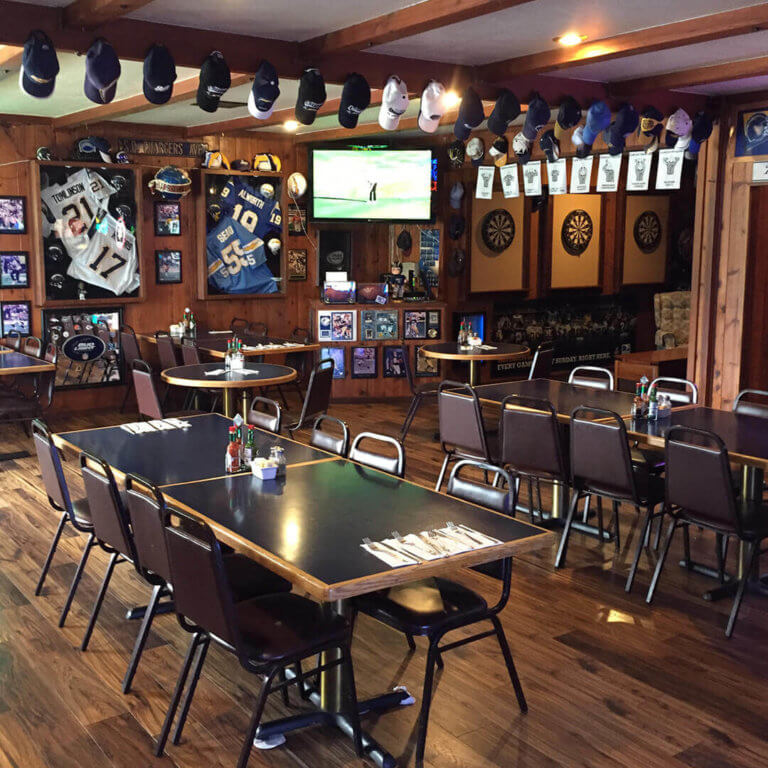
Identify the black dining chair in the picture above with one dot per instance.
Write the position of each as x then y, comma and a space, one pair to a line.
22, 406
601, 466
318, 397
418, 395
329, 441
190, 355
393, 465
13, 340
435, 607
166, 353
257, 330
592, 376
33, 347
543, 358
238, 326
269, 417
752, 402
699, 491
77, 513
266, 634
129, 347
679, 391
296, 360
147, 399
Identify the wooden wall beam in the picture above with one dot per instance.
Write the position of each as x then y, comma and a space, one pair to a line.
90, 14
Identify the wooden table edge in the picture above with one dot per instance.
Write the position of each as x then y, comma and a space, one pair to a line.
227, 384
481, 356
41, 368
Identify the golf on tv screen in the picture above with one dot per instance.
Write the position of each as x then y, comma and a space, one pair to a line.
372, 184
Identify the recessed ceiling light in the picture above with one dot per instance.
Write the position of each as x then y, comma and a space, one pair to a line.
570, 38
451, 99
290, 125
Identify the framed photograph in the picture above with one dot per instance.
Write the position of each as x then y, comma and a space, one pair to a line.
167, 267
364, 362
15, 317
88, 345
297, 220
393, 362
337, 355
425, 366
373, 293
89, 233
415, 324
13, 215
343, 326
380, 325
14, 269
433, 324
297, 264
339, 292
167, 218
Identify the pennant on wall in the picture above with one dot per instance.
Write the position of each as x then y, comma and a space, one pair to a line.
557, 176
581, 174
484, 186
670, 168
638, 171
510, 184
608, 170
532, 178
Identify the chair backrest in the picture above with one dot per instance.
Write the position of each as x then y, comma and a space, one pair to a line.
531, 438
257, 329
543, 357
13, 340
129, 346
201, 593
238, 326
394, 465
146, 395
33, 346
52, 472
481, 493
752, 402
698, 477
298, 360
328, 441
272, 422
682, 391
600, 458
165, 350
45, 385
301, 335
190, 354
51, 354
408, 370
149, 516
460, 417
318, 395
592, 376
110, 521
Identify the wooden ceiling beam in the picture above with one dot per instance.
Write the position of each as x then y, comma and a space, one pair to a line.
702, 29
421, 17
10, 56
688, 78
89, 14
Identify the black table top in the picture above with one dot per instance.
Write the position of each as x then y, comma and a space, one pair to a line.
745, 437
216, 343
453, 350
565, 397
310, 527
16, 362
179, 455
251, 374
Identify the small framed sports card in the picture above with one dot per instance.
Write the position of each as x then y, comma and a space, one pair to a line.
167, 218
393, 362
14, 269
15, 316
415, 324
364, 362
425, 366
167, 267
337, 355
13, 215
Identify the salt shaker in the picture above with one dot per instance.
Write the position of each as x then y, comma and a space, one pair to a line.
277, 454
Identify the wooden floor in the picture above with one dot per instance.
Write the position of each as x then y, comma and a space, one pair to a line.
610, 681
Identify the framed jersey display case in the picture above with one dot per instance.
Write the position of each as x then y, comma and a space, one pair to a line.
88, 221
243, 234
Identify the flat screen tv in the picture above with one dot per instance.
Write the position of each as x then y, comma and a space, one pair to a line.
371, 184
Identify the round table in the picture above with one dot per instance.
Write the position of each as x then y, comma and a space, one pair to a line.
450, 350
252, 376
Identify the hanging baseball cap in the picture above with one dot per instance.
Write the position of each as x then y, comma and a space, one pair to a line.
456, 153
626, 123
550, 145
355, 97
476, 150
456, 262
215, 80
679, 124
568, 116
102, 70
651, 126
432, 107
159, 74
499, 151
456, 195
701, 130
264, 92
404, 242
456, 226
598, 119
394, 102
471, 114
39, 66
577, 137
505, 111
522, 148
312, 95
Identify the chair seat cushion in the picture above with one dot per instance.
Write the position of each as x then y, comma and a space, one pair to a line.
423, 606
82, 513
276, 627
248, 579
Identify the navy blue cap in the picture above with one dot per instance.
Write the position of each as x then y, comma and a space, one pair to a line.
214, 81
39, 66
102, 70
265, 91
159, 74
537, 117
506, 109
702, 127
598, 119
355, 97
471, 114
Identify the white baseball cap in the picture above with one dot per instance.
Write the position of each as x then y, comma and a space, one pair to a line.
476, 150
432, 106
680, 123
457, 193
394, 102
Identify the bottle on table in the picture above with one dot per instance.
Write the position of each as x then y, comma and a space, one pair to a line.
277, 455
636, 411
192, 325
249, 450
237, 362
653, 405
232, 459
228, 356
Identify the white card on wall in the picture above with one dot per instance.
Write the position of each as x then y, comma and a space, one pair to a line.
557, 177
510, 183
532, 178
638, 171
608, 170
760, 171
670, 168
484, 187
581, 174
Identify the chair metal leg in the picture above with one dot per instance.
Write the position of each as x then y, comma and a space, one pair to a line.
113, 560
256, 719
504, 645
662, 558
174, 702
538, 496
76, 579
284, 691
411, 642
659, 526
426, 702
563, 548
616, 536
409, 417
600, 524
353, 710
720, 559
641, 542
687, 548
587, 502
448, 456
201, 654
141, 638
531, 500
51, 551
128, 391
753, 549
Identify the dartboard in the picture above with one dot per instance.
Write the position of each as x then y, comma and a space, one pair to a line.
576, 232
498, 230
648, 231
